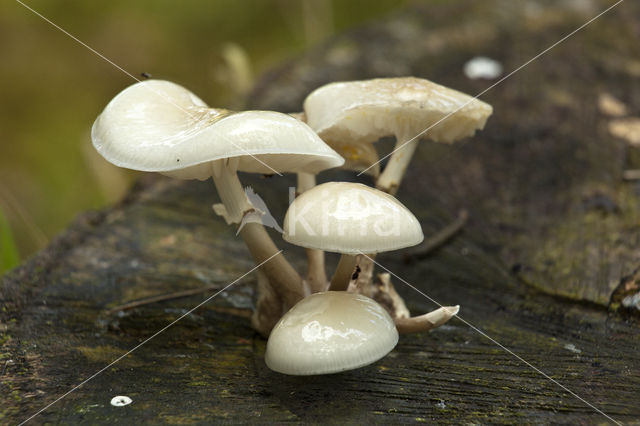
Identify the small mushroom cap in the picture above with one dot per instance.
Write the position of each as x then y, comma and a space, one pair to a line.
330, 332
365, 111
159, 126
350, 218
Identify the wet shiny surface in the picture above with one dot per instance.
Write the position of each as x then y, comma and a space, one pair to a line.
160, 126
330, 332
350, 218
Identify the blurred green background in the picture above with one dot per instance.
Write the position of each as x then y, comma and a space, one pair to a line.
52, 88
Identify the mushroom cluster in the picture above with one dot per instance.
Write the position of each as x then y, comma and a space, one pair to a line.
315, 325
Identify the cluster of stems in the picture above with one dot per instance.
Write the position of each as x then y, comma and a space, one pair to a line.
280, 286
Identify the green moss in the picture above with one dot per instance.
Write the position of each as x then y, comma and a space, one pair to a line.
199, 383
574, 256
103, 353
4, 338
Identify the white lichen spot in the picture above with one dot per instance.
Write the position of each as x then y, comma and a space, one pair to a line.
571, 347
482, 67
609, 105
627, 129
120, 401
632, 174
632, 301
585, 7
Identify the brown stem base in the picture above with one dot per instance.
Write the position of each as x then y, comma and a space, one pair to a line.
269, 307
383, 292
286, 282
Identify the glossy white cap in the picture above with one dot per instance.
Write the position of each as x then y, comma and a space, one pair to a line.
330, 332
350, 218
364, 111
159, 126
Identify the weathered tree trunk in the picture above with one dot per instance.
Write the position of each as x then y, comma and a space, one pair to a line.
553, 230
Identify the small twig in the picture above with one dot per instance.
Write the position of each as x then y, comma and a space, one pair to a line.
439, 239
161, 298
6, 364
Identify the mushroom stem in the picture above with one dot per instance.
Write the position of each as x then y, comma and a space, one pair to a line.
285, 280
306, 181
389, 182
230, 190
394, 171
316, 273
269, 307
364, 280
344, 271
431, 320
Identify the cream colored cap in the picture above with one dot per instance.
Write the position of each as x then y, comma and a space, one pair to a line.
159, 126
350, 218
358, 155
330, 332
368, 110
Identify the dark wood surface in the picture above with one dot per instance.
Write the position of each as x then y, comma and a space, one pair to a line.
553, 230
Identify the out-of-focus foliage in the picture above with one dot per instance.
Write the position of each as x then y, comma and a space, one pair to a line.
9, 256
52, 88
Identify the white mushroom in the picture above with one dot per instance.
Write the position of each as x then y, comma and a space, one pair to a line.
330, 332
162, 127
316, 274
349, 218
359, 113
